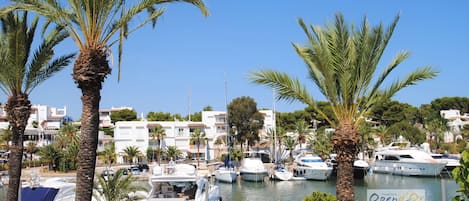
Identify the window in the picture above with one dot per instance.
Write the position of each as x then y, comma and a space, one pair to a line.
391, 158
406, 156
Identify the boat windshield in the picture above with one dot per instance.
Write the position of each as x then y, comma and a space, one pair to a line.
311, 160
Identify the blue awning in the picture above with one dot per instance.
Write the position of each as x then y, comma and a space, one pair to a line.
38, 194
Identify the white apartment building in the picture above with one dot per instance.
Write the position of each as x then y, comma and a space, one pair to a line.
105, 116
213, 124
43, 123
456, 122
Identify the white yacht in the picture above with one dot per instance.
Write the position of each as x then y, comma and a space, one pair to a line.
312, 167
281, 173
451, 163
180, 182
226, 174
406, 161
360, 167
252, 169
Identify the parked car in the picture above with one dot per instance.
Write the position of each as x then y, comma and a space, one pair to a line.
107, 173
143, 167
125, 171
134, 170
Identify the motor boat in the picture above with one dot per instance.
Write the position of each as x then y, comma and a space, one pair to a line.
180, 182
226, 173
451, 162
360, 167
281, 173
52, 189
252, 169
405, 161
311, 166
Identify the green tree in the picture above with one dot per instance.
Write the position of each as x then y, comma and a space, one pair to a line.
302, 129
321, 144
31, 148
157, 134
123, 115
460, 175
51, 155
173, 152
409, 132
22, 69
437, 127
131, 152
109, 155
159, 116
290, 143
96, 26
341, 62
391, 112
243, 114
5, 139
117, 188
383, 133
198, 137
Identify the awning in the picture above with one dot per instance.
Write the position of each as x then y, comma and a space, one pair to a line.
38, 194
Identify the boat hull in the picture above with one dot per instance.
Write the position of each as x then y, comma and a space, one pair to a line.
313, 173
408, 168
282, 175
226, 175
253, 176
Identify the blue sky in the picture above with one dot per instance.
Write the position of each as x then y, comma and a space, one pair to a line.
189, 55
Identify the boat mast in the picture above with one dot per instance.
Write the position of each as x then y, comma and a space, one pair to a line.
274, 129
227, 125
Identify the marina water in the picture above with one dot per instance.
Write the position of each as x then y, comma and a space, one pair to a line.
435, 188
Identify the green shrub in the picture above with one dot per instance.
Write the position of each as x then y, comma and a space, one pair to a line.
320, 196
461, 176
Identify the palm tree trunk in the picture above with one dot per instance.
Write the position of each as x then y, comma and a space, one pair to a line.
18, 110
159, 153
345, 142
198, 154
89, 72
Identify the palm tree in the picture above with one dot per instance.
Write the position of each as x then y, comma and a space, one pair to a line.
302, 128
198, 137
22, 69
51, 155
70, 132
383, 134
290, 144
95, 26
173, 152
116, 188
5, 139
157, 134
341, 62
131, 152
109, 155
31, 148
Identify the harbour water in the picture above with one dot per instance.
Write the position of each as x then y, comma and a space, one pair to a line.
435, 188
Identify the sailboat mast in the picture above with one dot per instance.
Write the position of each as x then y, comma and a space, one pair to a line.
274, 129
227, 125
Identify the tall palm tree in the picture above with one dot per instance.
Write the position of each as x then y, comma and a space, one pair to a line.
383, 134
198, 137
71, 133
157, 134
131, 152
31, 148
341, 62
117, 188
22, 69
173, 152
95, 26
109, 155
290, 144
51, 155
302, 128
